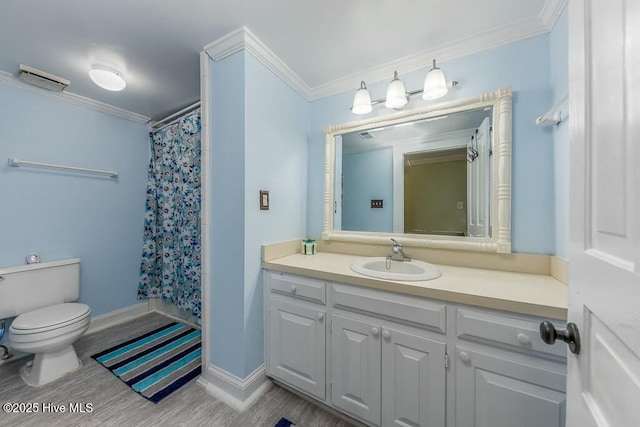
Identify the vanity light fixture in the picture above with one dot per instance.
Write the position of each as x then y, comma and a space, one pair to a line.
362, 100
435, 86
107, 78
396, 93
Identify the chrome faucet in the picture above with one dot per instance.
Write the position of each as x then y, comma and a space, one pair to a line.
397, 253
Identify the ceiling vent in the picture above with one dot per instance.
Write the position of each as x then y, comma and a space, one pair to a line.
41, 79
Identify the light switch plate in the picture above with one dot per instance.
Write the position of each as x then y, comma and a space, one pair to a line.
264, 200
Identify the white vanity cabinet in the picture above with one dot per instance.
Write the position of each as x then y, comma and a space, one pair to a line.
297, 333
389, 359
413, 380
505, 375
386, 377
356, 362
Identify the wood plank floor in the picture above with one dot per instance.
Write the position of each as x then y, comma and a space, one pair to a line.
115, 404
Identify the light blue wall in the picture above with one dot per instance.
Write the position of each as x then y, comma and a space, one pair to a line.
366, 176
276, 126
63, 215
227, 204
559, 47
523, 65
259, 142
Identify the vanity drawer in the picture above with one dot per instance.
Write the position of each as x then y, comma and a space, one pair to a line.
399, 307
517, 332
297, 286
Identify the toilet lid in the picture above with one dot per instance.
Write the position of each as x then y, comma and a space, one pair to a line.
50, 318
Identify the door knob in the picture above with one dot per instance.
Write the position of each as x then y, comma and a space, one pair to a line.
571, 336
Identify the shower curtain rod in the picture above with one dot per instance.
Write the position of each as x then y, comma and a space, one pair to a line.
176, 115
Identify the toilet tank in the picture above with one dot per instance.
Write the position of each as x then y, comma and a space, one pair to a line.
29, 287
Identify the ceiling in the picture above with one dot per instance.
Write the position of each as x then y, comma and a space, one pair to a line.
328, 44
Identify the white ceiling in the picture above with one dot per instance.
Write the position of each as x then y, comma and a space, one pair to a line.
327, 43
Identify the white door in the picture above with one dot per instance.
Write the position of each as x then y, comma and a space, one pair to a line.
355, 368
297, 346
604, 281
413, 380
478, 183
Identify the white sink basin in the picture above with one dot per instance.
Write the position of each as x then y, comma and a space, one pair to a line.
383, 268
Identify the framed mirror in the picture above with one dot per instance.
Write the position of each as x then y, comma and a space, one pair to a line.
434, 177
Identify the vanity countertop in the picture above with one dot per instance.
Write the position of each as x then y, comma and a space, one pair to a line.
533, 294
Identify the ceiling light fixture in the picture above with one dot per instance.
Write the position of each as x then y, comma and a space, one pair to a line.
107, 78
435, 86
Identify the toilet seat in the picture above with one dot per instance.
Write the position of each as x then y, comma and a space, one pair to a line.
49, 319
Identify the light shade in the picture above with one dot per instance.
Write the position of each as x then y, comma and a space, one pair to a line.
362, 100
396, 93
107, 78
435, 84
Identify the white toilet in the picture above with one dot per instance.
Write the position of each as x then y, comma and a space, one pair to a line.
48, 322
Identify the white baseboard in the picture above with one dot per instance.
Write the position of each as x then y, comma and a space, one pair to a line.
113, 318
235, 392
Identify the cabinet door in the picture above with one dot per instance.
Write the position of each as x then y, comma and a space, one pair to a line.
494, 391
355, 368
413, 380
296, 351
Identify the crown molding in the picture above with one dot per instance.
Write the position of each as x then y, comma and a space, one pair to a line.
72, 98
513, 32
243, 38
550, 12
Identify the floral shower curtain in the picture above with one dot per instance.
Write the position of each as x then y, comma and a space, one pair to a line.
170, 267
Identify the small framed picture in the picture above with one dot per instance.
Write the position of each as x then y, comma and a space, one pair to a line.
264, 200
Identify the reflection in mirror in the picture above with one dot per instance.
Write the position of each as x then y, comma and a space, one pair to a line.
435, 192
436, 177
427, 176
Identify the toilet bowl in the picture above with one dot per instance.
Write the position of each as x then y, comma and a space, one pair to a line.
49, 333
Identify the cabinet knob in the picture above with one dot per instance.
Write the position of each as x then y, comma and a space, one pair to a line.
375, 331
464, 357
386, 334
293, 289
523, 339
320, 315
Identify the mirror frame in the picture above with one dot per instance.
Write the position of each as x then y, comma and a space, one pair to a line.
500, 240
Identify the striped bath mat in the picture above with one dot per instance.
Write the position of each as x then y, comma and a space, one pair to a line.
157, 363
